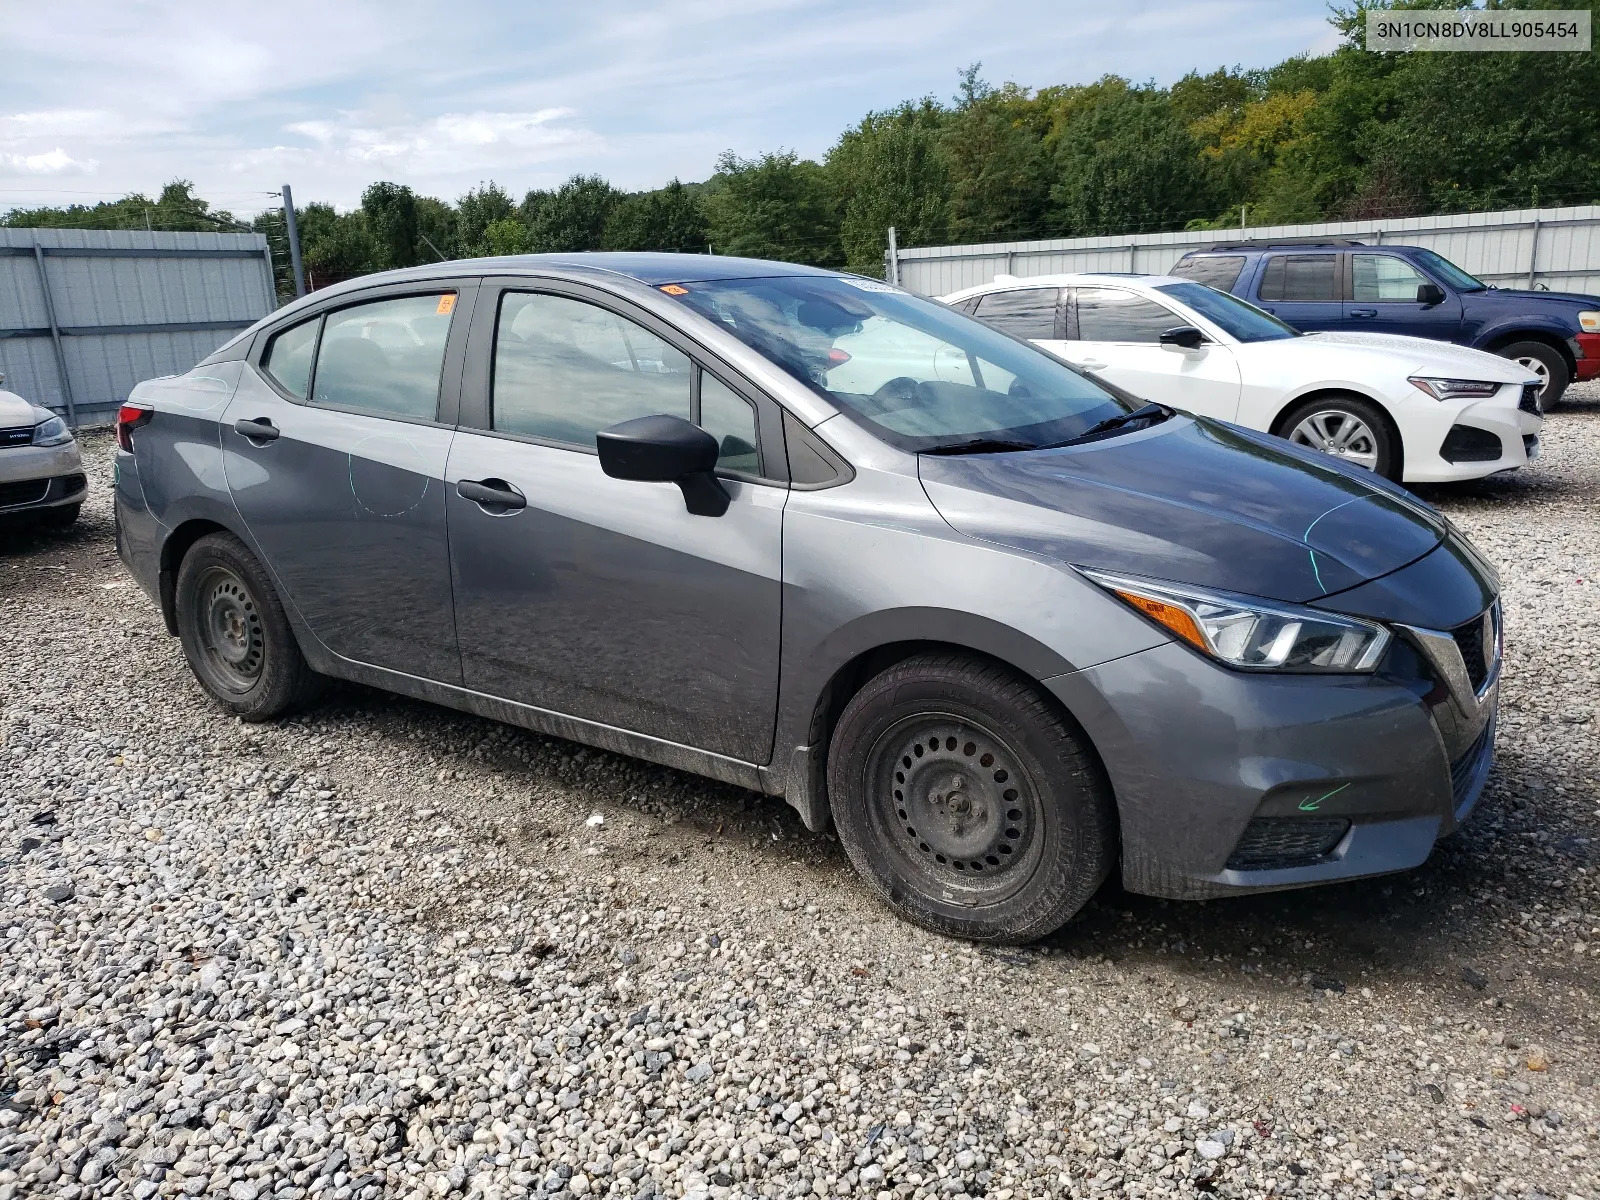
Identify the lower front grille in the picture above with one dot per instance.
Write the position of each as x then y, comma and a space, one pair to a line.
1465, 768
26, 491
1272, 843
1468, 443
1529, 401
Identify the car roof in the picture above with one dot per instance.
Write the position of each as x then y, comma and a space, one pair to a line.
1066, 279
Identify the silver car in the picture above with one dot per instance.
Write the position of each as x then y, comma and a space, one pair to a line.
1001, 625
41, 475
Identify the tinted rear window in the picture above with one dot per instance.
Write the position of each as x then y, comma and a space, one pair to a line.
1220, 271
1306, 278
1024, 312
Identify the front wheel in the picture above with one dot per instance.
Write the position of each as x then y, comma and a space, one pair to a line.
235, 633
968, 802
1546, 362
1346, 427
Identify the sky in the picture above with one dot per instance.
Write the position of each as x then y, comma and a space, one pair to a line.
102, 97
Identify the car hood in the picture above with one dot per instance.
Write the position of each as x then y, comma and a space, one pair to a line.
1191, 501
1522, 294
15, 411
1414, 355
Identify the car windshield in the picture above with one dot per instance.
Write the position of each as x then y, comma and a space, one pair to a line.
1245, 322
918, 374
1449, 272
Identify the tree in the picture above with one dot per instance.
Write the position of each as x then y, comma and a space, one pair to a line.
669, 218
175, 209
487, 205
993, 146
573, 217
391, 214
890, 170
335, 246
776, 206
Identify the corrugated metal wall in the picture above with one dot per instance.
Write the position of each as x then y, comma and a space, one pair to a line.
114, 307
1556, 247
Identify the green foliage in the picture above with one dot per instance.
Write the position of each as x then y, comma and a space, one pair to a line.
176, 209
670, 218
390, 210
776, 206
486, 205
573, 217
891, 170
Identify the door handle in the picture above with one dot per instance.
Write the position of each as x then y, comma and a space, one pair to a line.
259, 430
1091, 364
491, 493
1363, 312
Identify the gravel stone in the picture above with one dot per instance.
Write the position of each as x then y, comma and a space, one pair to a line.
377, 950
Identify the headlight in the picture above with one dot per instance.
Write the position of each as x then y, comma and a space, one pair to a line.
53, 432
1589, 322
1252, 634
1455, 389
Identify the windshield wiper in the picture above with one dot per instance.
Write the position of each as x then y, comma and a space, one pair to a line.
980, 446
1154, 414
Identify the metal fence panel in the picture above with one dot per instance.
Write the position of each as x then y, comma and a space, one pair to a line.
1556, 247
127, 305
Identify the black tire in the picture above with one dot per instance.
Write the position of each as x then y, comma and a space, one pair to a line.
235, 634
59, 518
1018, 824
1546, 361
1338, 415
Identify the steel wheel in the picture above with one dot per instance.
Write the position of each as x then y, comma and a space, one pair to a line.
230, 629
952, 803
1338, 432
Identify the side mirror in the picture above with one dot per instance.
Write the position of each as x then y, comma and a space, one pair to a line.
1430, 293
663, 449
1186, 337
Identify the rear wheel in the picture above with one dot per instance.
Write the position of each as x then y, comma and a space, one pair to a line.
1546, 362
967, 801
1347, 427
235, 633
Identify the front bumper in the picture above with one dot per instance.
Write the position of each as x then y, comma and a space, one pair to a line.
38, 477
1229, 782
1447, 442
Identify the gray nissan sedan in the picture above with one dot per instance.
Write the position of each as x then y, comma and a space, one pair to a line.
804, 532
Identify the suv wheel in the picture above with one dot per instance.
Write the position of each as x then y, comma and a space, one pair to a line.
968, 802
1347, 427
1546, 362
235, 634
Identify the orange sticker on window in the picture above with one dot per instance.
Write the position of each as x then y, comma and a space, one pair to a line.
673, 289
447, 303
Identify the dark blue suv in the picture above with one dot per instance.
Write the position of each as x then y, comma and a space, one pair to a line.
1350, 286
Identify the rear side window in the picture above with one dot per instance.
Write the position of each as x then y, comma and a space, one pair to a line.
565, 369
1113, 315
288, 357
1024, 312
386, 357
1220, 271
1307, 278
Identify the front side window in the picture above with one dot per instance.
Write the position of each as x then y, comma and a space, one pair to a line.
1113, 315
385, 357
1302, 278
1028, 313
1449, 272
1245, 322
1383, 279
1220, 271
565, 369
288, 357
917, 373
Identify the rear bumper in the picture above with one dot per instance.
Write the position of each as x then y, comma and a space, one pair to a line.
1228, 782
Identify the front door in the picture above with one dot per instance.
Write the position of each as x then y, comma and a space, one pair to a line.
1117, 335
334, 451
601, 598
1383, 299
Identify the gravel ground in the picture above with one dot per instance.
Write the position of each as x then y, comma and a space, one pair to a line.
388, 950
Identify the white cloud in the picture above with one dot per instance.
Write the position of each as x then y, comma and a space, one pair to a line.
51, 162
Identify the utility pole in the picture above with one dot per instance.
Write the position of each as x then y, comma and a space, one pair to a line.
1244, 211
894, 259
294, 242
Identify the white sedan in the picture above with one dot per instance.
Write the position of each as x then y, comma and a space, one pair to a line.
1410, 409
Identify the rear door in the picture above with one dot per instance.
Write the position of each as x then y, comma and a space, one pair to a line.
1383, 298
334, 450
1306, 290
601, 598
1116, 333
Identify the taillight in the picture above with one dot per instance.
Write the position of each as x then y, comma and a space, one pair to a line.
129, 418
